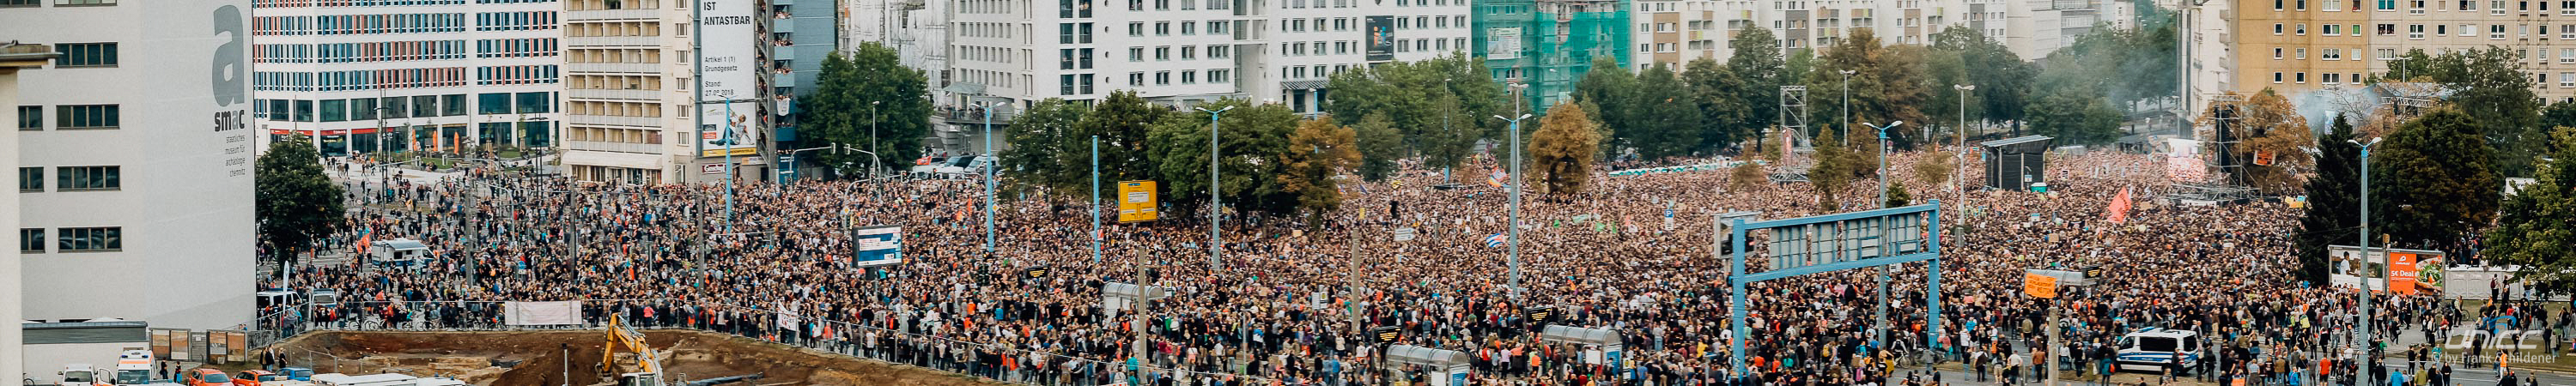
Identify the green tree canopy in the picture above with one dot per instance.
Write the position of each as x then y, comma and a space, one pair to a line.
1435, 105
2334, 202
2434, 180
298, 205
2540, 223
2489, 85
867, 100
1251, 139
1317, 154
1047, 152
1563, 149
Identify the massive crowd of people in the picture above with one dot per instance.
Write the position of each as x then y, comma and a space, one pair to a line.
1277, 308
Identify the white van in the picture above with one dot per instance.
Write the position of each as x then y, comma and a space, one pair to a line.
2149, 349
336, 379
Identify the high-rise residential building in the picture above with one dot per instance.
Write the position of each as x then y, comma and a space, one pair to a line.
805, 33
158, 91
632, 113
14, 56
1543, 46
1674, 32
363, 76
2299, 46
1184, 52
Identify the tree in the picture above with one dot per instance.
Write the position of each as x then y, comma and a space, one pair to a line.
2540, 222
1758, 71
1897, 197
1611, 95
298, 205
1666, 119
2489, 85
2073, 111
1831, 173
1882, 88
2268, 125
867, 100
2002, 78
1723, 119
1745, 176
1379, 146
2434, 181
2561, 114
1318, 153
1434, 104
1046, 152
2334, 201
1932, 171
1123, 122
1564, 148
1251, 140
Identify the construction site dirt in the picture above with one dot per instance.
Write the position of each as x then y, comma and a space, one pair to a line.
532, 358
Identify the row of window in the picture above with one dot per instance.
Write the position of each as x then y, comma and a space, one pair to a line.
397, 23
1137, 54
516, 48
1348, 47
2495, 7
1164, 78
1185, 5
516, 21
359, 52
352, 3
31, 179
96, 239
85, 55
528, 74
360, 109
525, 103
358, 80
2416, 31
70, 117
58, 3
1164, 28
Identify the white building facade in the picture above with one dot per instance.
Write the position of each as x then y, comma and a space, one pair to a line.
144, 129
1184, 52
363, 76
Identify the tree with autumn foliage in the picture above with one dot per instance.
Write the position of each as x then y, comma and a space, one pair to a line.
2269, 133
1318, 152
1563, 149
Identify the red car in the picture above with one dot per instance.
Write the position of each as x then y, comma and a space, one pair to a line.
205, 377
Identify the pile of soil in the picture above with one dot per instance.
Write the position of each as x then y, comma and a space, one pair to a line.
538, 358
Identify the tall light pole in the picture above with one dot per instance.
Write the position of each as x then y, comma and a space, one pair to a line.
1847, 115
989, 198
1881, 322
1960, 162
1095, 199
2365, 244
872, 138
1216, 210
1515, 185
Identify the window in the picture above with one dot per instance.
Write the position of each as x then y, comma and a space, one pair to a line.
31, 179
454, 104
2495, 31
335, 110
2333, 30
1135, 28
1163, 53
492, 103
1135, 54
2330, 78
2276, 77
1135, 79
2301, 29
2566, 79
536, 102
2415, 31
1162, 28
1189, 77
2302, 53
19, 3
91, 239
85, 117
2276, 53
2331, 54
1216, 26
84, 2
73, 178
31, 117
1216, 76
1189, 52
1189, 28
86, 55
1162, 78
31, 240
2299, 77
2387, 30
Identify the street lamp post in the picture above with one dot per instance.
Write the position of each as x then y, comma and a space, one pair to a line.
1216, 209
2365, 243
989, 199
1881, 322
872, 138
1847, 115
1515, 186
1960, 163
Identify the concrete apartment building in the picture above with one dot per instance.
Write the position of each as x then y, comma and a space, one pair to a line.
2299, 47
141, 126
1184, 52
363, 76
1674, 32
629, 110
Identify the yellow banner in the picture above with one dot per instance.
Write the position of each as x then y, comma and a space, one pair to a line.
1136, 201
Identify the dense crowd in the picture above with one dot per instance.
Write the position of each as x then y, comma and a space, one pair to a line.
1276, 308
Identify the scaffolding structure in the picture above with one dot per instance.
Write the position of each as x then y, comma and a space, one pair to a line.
1794, 140
2222, 160
1547, 45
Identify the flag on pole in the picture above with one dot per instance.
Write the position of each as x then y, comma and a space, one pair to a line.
365, 236
2119, 210
1496, 241
1495, 179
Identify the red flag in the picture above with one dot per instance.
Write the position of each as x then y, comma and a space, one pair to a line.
2119, 210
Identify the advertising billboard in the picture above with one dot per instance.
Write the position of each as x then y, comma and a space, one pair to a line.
2409, 270
729, 79
877, 245
1381, 38
1136, 201
1503, 43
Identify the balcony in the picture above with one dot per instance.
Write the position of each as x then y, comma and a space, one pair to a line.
621, 147
783, 78
613, 41
638, 68
596, 93
652, 122
613, 14
782, 24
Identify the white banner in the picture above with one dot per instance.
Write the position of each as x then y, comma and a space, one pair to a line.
728, 73
541, 313
1503, 43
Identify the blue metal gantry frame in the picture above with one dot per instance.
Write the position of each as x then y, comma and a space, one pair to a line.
1848, 253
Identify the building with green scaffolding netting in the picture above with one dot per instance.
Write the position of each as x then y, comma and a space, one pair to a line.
1548, 44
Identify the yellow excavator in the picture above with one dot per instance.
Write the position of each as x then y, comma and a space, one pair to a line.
622, 339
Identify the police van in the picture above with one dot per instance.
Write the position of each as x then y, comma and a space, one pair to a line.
2150, 349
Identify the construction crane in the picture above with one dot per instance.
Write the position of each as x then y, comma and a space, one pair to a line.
624, 339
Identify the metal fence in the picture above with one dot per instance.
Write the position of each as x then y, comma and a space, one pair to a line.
845, 340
